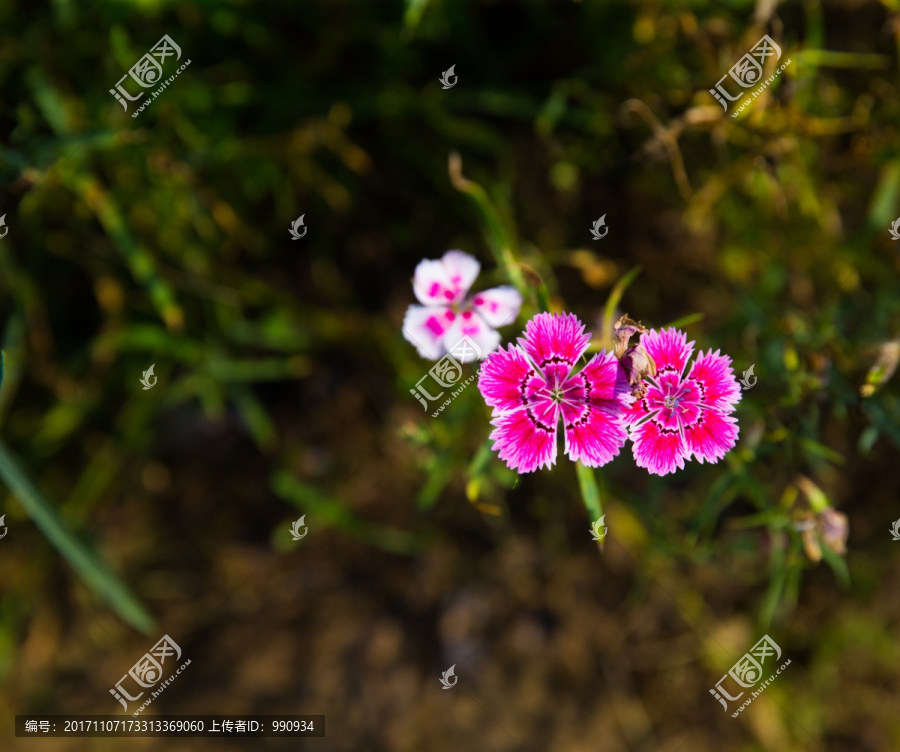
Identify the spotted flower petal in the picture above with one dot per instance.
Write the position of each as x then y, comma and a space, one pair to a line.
445, 281
498, 306
426, 327
482, 339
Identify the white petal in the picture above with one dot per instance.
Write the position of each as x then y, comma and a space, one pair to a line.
462, 270
498, 306
426, 328
432, 285
482, 340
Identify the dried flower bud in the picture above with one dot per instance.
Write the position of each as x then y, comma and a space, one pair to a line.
636, 361
830, 528
805, 523
624, 329
833, 530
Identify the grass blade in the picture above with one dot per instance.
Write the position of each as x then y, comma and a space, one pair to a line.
85, 562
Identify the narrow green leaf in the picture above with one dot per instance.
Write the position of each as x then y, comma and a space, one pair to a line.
838, 566
886, 197
614, 297
85, 562
691, 318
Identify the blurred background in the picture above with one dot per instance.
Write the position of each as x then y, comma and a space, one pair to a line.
283, 377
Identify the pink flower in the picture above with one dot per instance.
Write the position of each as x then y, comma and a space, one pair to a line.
683, 416
531, 385
447, 315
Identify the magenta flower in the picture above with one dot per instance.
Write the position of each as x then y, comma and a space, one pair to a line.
531, 385
683, 416
447, 315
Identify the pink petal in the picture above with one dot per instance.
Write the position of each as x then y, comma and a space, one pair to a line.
607, 379
596, 434
595, 401
426, 327
712, 437
649, 404
555, 342
669, 348
445, 281
482, 339
525, 438
657, 451
508, 380
498, 306
720, 388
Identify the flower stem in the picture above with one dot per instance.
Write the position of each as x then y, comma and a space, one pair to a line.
590, 494
499, 239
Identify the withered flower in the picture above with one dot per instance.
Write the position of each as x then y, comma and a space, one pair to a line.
829, 527
636, 361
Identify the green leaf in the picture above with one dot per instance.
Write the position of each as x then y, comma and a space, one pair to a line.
84, 561
691, 318
838, 566
886, 197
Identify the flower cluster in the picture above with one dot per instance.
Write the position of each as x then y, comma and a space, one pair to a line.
669, 411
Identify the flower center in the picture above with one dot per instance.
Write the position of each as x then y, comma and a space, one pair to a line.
556, 394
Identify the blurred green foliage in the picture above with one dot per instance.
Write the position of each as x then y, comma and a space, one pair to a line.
163, 239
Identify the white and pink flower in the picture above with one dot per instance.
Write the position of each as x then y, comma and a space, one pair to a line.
448, 313
532, 385
683, 413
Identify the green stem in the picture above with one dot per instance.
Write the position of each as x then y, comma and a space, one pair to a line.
590, 494
499, 239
